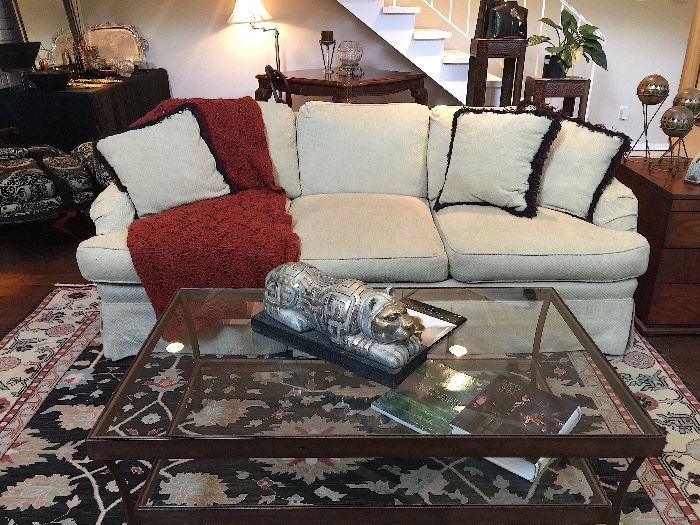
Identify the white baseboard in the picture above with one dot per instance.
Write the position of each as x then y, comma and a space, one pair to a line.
659, 146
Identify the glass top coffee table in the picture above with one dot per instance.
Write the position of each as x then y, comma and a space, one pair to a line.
239, 426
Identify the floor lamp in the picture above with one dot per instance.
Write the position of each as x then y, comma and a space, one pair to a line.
253, 12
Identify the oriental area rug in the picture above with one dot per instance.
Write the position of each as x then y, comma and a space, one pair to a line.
55, 381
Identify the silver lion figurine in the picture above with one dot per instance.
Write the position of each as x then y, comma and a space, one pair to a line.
357, 318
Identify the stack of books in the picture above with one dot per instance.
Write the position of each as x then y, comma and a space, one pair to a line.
437, 399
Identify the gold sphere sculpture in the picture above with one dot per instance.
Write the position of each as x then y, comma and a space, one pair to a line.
690, 98
653, 90
677, 121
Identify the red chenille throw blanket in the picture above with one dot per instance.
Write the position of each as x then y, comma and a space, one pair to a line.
227, 242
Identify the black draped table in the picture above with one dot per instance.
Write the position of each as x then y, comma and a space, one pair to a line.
67, 118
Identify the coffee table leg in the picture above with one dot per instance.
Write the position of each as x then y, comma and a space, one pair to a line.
124, 491
622, 488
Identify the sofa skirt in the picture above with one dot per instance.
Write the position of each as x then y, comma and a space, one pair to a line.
606, 311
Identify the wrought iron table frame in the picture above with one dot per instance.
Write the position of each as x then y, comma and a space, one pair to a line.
636, 447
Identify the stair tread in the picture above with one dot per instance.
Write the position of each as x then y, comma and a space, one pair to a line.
431, 34
455, 56
400, 10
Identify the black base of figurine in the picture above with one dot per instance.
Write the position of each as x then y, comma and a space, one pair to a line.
318, 345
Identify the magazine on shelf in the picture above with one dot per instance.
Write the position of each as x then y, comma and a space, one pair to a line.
511, 406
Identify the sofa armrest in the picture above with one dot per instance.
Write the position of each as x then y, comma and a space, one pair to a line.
112, 211
617, 208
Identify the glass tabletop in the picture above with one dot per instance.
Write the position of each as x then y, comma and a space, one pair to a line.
205, 372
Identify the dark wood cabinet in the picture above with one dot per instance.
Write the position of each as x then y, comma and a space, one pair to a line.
668, 296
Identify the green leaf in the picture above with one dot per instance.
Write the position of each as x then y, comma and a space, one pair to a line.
536, 40
588, 29
550, 23
568, 21
598, 56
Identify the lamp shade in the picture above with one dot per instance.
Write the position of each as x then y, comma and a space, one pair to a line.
248, 12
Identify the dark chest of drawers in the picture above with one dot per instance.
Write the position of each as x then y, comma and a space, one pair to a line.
668, 297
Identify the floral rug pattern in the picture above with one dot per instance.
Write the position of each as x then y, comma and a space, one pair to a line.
61, 383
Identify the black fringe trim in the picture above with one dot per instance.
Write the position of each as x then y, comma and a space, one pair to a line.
609, 176
203, 132
537, 163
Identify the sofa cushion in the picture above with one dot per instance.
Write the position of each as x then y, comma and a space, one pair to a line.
580, 165
439, 139
106, 259
180, 164
438, 147
376, 238
496, 157
484, 243
281, 133
363, 148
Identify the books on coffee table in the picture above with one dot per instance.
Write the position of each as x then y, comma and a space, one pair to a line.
428, 400
510, 406
437, 399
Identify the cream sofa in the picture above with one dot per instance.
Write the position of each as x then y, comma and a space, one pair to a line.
360, 181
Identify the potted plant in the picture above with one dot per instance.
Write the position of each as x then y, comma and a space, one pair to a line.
574, 41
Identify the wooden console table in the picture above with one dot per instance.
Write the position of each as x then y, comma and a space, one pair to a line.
569, 88
668, 297
374, 82
512, 50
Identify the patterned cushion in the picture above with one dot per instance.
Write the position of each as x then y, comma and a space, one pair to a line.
29, 209
22, 180
85, 153
71, 171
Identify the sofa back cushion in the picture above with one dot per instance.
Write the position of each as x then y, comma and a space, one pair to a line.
363, 148
281, 133
439, 146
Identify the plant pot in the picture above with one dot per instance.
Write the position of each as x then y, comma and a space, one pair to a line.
552, 68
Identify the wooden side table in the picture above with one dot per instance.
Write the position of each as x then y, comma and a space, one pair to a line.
668, 296
512, 50
569, 88
313, 82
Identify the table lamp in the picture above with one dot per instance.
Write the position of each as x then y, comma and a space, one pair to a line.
253, 12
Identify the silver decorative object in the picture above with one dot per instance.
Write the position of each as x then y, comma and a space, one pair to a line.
690, 98
652, 90
114, 42
350, 53
355, 317
676, 122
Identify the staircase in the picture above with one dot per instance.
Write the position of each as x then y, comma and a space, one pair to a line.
424, 47
435, 36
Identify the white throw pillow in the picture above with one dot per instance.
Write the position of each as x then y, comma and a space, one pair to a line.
496, 157
580, 165
164, 164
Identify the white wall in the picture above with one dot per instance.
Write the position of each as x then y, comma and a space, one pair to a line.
207, 57
643, 37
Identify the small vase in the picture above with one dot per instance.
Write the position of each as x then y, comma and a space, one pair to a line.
552, 68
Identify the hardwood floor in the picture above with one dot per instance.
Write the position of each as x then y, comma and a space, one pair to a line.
34, 257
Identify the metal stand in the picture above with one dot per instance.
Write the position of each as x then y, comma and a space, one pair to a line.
645, 132
277, 42
673, 157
